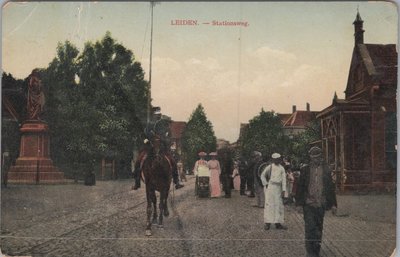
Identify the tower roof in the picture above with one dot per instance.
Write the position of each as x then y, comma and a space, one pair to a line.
358, 18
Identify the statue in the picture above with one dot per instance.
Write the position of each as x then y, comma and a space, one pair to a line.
35, 96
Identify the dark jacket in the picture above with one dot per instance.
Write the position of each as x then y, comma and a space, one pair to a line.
328, 187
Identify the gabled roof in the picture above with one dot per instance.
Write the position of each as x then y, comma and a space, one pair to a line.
284, 117
177, 128
380, 62
384, 61
300, 119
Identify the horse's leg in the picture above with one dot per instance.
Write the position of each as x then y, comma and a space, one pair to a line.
155, 209
162, 200
149, 209
166, 212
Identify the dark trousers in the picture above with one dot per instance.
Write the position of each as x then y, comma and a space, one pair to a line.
314, 221
243, 181
226, 184
250, 185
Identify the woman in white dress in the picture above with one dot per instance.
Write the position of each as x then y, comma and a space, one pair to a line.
215, 172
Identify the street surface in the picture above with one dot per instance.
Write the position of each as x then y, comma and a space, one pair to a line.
109, 220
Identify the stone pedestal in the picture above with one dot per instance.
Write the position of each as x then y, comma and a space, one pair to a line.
34, 165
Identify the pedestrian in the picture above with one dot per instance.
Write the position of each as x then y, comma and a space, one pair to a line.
316, 193
201, 165
250, 173
226, 163
243, 176
200, 168
290, 180
258, 186
181, 172
274, 180
236, 176
215, 173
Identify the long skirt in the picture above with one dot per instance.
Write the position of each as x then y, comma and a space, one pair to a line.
215, 183
236, 182
273, 209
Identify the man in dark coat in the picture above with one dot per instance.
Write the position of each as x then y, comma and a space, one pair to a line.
226, 163
250, 172
316, 193
243, 176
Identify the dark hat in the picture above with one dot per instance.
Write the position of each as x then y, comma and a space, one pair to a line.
315, 152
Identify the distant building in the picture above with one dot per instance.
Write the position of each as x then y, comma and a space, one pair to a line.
177, 128
222, 143
298, 121
359, 133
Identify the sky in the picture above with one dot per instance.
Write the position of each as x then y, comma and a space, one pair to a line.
290, 53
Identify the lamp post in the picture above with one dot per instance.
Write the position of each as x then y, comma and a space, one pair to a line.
37, 168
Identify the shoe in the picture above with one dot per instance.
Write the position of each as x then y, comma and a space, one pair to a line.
251, 196
177, 186
280, 226
267, 226
136, 186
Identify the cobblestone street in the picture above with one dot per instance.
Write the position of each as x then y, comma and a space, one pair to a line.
109, 220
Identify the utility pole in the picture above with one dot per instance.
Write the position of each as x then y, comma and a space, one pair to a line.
151, 62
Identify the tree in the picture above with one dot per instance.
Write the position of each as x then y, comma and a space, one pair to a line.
264, 134
14, 93
96, 104
198, 136
300, 143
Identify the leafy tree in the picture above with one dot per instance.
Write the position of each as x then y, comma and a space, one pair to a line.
15, 90
96, 103
198, 136
264, 134
300, 143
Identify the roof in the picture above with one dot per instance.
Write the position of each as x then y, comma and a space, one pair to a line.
300, 118
380, 60
284, 116
177, 128
358, 104
384, 60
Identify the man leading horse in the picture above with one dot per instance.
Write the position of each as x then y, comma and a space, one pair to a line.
158, 129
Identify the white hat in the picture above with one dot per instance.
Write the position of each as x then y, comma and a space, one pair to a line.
276, 156
203, 154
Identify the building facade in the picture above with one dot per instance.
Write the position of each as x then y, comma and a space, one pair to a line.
359, 133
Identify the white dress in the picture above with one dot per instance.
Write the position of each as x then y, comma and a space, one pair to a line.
274, 209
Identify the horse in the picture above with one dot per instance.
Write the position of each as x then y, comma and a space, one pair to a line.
157, 172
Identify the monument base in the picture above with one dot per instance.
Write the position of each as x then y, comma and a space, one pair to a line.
34, 165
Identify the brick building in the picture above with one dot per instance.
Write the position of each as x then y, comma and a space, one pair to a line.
359, 133
298, 121
177, 128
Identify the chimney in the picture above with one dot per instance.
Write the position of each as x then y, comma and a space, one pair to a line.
308, 107
358, 30
293, 108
